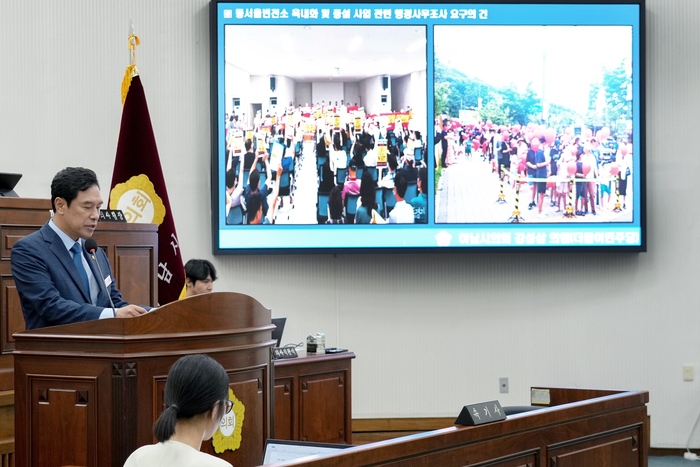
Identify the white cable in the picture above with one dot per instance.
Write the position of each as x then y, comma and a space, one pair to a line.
687, 446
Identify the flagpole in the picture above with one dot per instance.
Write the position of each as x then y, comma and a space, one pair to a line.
131, 33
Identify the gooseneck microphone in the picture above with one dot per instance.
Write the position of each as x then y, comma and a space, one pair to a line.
91, 247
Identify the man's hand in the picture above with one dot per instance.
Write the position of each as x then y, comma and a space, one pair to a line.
130, 311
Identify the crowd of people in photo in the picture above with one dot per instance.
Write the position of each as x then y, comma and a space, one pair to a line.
361, 185
250, 181
581, 173
369, 168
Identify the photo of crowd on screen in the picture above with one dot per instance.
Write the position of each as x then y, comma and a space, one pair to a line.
541, 132
323, 106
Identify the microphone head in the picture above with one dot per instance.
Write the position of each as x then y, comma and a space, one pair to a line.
90, 245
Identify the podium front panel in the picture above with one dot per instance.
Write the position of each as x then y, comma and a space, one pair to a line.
106, 378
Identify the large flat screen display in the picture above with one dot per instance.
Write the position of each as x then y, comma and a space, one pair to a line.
427, 126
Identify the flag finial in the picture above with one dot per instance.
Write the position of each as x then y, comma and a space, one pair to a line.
131, 70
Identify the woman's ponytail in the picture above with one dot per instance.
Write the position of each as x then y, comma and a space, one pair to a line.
164, 427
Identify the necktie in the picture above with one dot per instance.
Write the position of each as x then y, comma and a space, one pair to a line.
78, 260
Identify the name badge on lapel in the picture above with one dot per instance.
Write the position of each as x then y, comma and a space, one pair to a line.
108, 281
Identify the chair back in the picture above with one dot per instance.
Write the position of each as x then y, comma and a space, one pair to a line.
418, 154
284, 180
389, 197
411, 191
322, 205
351, 203
340, 176
235, 216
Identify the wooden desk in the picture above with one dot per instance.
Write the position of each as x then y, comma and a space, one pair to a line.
591, 427
313, 398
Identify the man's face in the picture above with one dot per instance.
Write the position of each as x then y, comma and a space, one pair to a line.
79, 220
200, 287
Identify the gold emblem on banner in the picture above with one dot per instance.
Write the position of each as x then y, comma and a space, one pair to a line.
228, 436
138, 200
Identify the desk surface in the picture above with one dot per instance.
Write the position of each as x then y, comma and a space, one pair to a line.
313, 359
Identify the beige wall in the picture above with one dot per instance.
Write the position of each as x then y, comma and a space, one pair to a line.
431, 332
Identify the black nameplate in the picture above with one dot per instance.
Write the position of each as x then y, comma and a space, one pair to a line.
112, 215
284, 352
478, 414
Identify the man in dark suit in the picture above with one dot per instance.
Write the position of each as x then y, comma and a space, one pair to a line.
57, 279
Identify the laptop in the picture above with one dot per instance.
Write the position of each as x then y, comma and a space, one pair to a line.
277, 333
8, 182
277, 450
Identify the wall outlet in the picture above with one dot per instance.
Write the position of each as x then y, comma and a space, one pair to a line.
688, 373
503, 385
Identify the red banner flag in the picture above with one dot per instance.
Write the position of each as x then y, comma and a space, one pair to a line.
138, 186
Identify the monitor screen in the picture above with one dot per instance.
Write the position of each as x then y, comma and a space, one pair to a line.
279, 330
339, 127
282, 451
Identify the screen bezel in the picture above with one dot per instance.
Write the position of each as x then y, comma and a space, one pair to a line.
640, 146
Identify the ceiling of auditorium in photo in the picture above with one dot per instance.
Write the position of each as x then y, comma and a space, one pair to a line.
327, 53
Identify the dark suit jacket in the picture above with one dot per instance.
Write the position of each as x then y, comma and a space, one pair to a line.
50, 288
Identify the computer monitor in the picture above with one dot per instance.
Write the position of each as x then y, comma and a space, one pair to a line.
281, 450
277, 332
8, 181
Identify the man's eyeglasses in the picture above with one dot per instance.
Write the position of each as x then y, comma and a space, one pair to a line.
229, 406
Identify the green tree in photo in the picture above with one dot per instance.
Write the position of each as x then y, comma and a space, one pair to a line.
440, 99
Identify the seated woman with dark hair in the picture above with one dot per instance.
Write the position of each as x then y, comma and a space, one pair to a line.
326, 178
358, 152
196, 397
368, 202
335, 207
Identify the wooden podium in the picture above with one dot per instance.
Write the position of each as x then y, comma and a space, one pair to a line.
87, 394
132, 250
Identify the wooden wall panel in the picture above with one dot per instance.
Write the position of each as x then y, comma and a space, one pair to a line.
322, 407
63, 422
7, 429
525, 460
132, 250
132, 269
11, 314
285, 428
612, 449
125, 411
18, 218
320, 391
